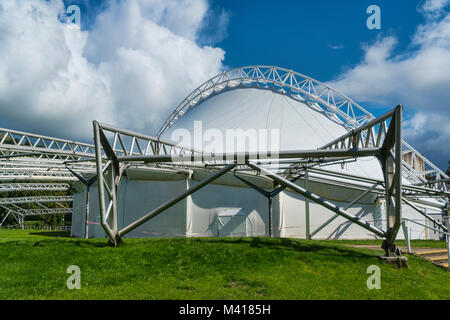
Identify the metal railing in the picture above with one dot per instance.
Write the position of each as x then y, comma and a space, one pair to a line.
405, 226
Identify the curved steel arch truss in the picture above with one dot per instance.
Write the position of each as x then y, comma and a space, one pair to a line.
326, 99
318, 95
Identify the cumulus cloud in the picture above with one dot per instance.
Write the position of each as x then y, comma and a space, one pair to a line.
136, 62
432, 9
215, 26
419, 79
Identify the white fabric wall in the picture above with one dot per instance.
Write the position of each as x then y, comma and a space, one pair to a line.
78, 215
293, 219
218, 210
139, 197
95, 229
229, 208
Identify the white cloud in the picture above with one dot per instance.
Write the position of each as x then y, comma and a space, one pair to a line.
432, 9
215, 25
418, 79
130, 69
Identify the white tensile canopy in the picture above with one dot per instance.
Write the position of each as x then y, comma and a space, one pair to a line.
231, 207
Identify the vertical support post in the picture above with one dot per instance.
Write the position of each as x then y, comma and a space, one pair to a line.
447, 236
269, 195
389, 176
114, 198
398, 172
392, 169
406, 233
446, 216
307, 218
101, 188
448, 251
86, 230
87, 184
270, 198
6, 216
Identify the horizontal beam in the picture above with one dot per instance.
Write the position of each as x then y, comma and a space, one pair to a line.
137, 135
423, 213
358, 130
37, 164
431, 182
36, 199
38, 212
36, 176
10, 187
412, 188
243, 157
44, 150
14, 140
23, 177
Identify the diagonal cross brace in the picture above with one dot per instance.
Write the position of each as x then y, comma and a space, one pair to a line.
318, 199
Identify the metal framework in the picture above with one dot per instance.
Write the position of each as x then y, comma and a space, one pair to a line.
20, 213
14, 187
11, 205
317, 95
38, 212
15, 176
15, 143
28, 160
36, 199
366, 140
36, 165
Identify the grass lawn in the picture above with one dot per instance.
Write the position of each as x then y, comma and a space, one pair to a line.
33, 266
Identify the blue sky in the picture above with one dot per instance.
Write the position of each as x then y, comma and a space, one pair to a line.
122, 63
299, 35
317, 38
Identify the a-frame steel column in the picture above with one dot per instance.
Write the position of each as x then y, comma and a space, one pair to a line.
391, 163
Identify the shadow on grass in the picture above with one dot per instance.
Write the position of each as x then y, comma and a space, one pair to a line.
69, 242
294, 245
62, 234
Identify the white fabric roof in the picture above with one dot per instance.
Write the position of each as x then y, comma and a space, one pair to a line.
300, 126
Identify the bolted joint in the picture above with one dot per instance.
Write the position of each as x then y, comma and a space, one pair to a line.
390, 248
116, 242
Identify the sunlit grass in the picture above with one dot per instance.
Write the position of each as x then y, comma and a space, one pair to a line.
33, 266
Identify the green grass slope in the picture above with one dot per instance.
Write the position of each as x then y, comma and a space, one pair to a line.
33, 266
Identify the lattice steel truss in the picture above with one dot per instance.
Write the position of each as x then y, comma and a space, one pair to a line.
38, 212
20, 213
13, 208
36, 166
15, 187
14, 143
317, 95
27, 160
35, 199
